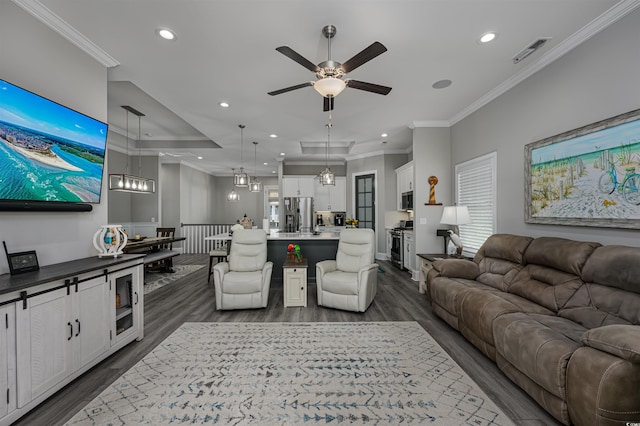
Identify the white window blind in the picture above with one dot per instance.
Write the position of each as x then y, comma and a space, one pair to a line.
476, 185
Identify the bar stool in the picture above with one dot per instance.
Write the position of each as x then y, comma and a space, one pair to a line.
220, 254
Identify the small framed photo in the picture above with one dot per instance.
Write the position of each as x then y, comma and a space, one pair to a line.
25, 261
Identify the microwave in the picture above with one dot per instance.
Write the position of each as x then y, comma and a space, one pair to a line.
407, 200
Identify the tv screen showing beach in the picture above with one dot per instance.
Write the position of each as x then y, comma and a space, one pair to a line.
48, 152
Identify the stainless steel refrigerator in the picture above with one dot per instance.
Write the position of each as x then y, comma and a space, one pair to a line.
298, 214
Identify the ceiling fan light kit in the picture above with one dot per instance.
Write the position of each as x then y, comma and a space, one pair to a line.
330, 74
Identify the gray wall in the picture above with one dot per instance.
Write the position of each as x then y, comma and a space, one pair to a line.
170, 196
38, 59
251, 204
432, 157
597, 80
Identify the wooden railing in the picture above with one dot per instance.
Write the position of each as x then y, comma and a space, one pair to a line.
195, 234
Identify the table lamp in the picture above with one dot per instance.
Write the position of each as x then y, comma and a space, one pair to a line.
455, 215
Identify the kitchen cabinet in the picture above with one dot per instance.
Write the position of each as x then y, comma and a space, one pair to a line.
331, 198
409, 259
404, 181
298, 186
7, 360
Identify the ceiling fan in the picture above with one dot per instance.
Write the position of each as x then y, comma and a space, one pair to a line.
330, 74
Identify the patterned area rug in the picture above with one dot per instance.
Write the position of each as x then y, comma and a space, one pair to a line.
294, 373
156, 280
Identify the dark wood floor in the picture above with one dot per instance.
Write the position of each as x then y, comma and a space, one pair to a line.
192, 300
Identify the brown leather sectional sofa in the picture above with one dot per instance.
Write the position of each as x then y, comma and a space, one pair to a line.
561, 318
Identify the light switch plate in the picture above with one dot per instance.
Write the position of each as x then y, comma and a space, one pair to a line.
423, 221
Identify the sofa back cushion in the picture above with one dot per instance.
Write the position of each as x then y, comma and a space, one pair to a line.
551, 274
248, 251
611, 294
356, 249
501, 255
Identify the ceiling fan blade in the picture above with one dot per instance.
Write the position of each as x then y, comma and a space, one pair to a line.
327, 104
366, 55
369, 87
288, 89
292, 54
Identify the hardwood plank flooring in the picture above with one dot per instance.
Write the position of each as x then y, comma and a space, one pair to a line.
191, 299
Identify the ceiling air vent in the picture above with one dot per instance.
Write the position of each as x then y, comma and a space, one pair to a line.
537, 44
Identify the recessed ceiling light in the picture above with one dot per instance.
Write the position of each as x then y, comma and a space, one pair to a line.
266, 164
441, 84
224, 104
384, 135
199, 157
273, 135
273, 171
487, 37
166, 33
282, 153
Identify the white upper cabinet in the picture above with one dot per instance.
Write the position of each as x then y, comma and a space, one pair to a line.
331, 198
404, 180
298, 186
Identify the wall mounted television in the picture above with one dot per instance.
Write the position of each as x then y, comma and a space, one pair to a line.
51, 157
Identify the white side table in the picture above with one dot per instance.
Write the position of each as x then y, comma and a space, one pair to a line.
295, 283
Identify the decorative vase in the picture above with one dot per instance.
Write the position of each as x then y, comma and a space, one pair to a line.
109, 240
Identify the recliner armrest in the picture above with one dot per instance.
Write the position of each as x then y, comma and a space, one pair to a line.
326, 266
457, 268
620, 340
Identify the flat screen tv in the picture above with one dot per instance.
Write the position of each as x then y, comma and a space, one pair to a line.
51, 156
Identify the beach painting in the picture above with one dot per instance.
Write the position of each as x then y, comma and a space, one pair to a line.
589, 176
48, 152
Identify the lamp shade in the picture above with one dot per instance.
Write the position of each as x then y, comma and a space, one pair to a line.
329, 86
455, 215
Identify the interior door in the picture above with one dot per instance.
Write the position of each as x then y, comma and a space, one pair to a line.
365, 201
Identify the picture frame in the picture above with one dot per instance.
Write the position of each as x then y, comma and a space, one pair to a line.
589, 176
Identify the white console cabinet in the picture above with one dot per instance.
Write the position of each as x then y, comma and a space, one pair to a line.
58, 328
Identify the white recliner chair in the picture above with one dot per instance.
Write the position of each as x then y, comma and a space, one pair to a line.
243, 281
350, 282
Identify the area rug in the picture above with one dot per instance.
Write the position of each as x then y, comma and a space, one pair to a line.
294, 373
156, 280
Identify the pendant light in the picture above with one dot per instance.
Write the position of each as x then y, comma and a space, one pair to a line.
241, 180
126, 182
232, 195
327, 177
255, 185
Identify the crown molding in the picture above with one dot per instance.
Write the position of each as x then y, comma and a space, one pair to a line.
53, 21
430, 123
615, 13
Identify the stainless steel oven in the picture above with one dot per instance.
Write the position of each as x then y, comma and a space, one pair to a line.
396, 248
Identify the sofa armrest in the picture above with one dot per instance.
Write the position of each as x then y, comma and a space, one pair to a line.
620, 340
456, 268
367, 273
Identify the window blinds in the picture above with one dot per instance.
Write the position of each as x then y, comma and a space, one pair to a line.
476, 189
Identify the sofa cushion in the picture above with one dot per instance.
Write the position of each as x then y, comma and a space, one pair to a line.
242, 282
478, 309
500, 255
448, 292
340, 282
539, 346
551, 275
611, 294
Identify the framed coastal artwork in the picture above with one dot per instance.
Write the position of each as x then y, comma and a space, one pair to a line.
588, 176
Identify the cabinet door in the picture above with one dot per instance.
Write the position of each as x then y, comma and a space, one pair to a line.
306, 185
7, 360
295, 287
125, 301
338, 195
290, 187
90, 321
43, 340
321, 197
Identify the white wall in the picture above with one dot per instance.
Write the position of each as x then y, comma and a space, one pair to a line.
38, 59
597, 80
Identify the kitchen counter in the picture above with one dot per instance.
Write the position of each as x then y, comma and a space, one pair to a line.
304, 236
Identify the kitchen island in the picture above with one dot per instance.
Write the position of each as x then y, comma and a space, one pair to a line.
314, 247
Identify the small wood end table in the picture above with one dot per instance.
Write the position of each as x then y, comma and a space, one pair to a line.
295, 283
